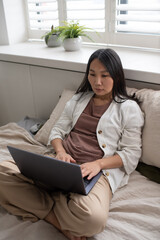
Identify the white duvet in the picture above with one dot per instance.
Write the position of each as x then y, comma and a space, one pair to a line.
134, 211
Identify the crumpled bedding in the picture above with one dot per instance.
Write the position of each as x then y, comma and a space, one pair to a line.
134, 210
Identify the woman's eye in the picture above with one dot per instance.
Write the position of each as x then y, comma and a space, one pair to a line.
105, 76
91, 74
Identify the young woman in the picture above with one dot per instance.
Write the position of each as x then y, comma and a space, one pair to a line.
100, 128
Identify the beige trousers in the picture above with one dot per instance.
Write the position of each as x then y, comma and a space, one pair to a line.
81, 215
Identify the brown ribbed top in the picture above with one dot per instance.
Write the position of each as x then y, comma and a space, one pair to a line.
82, 142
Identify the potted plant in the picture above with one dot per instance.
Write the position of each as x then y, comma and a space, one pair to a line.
71, 35
52, 38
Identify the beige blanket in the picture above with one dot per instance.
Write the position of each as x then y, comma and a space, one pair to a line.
134, 211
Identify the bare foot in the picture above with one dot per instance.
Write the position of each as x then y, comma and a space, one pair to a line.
71, 237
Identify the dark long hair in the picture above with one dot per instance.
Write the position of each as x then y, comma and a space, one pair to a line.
110, 59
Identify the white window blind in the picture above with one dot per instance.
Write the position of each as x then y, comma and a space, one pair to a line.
43, 14
90, 13
138, 16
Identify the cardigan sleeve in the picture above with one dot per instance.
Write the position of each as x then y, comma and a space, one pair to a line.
64, 124
130, 143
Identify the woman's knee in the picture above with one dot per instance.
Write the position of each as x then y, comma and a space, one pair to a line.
90, 220
95, 222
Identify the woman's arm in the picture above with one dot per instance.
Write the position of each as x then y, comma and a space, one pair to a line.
64, 124
60, 151
91, 169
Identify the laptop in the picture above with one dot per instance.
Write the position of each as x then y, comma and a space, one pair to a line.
53, 174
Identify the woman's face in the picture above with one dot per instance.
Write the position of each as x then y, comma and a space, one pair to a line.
99, 78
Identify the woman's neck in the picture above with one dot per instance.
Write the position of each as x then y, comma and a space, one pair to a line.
101, 100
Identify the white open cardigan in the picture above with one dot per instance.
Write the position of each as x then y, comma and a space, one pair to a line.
120, 133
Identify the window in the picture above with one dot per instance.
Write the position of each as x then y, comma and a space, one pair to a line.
134, 16
89, 13
42, 14
137, 23
121, 22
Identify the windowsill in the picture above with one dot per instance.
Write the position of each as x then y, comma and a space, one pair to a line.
138, 64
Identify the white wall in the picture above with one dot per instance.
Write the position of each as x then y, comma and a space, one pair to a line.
13, 22
32, 91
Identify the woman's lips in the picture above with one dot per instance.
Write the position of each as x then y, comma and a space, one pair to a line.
98, 90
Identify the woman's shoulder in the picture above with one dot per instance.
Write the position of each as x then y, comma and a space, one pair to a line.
130, 102
81, 96
131, 111
127, 103
78, 99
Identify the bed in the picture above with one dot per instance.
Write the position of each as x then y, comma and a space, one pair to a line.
134, 210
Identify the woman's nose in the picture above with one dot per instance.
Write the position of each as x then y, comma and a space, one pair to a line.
98, 80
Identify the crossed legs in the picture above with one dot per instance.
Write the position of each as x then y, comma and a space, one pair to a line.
76, 216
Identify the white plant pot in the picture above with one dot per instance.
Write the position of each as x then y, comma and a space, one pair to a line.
72, 44
54, 41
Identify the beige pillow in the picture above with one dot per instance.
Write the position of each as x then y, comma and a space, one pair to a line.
131, 91
150, 105
43, 134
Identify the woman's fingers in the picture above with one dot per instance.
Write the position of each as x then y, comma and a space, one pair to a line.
90, 169
65, 157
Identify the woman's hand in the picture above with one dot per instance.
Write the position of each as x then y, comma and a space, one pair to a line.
90, 169
60, 151
65, 157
